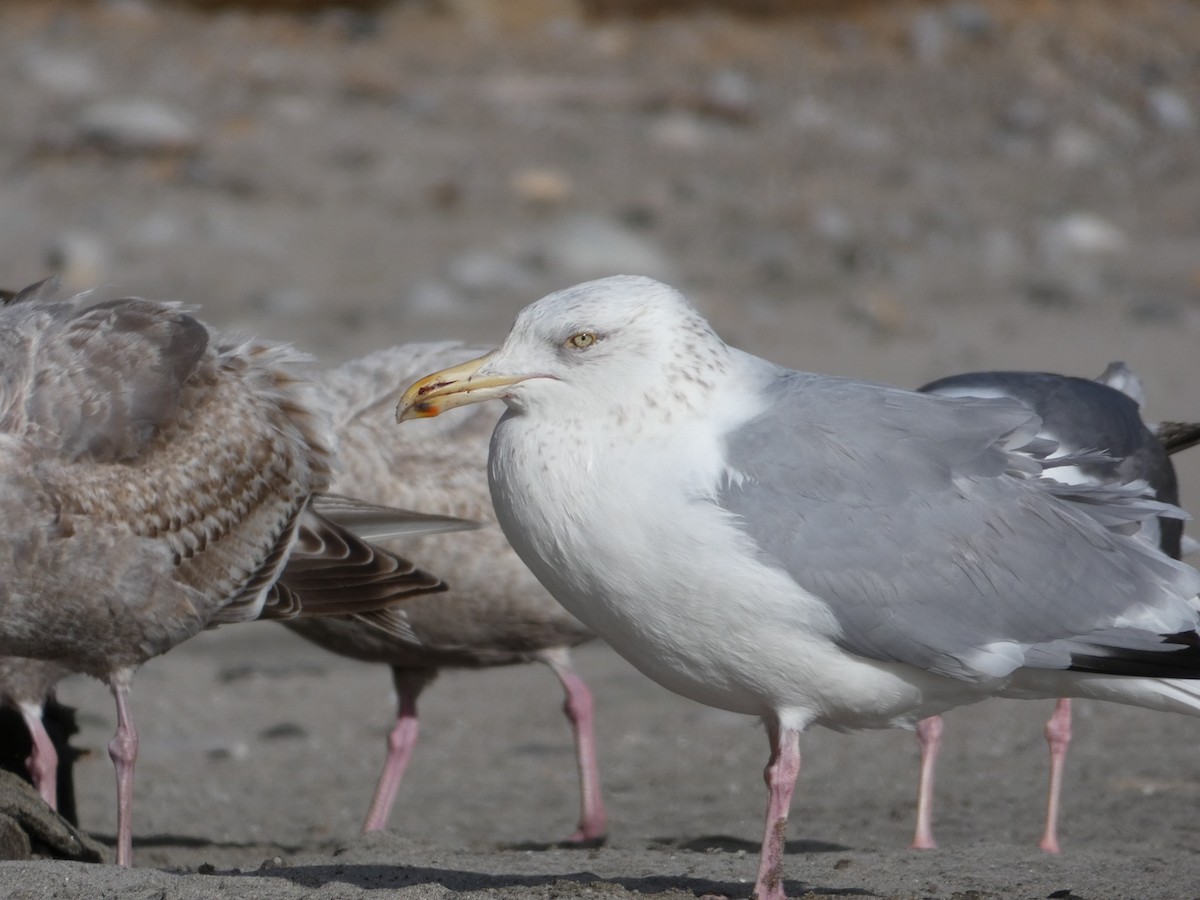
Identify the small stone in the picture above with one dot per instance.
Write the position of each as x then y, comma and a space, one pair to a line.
1074, 146
64, 74
1084, 234
206, 868
883, 311
283, 730
1170, 109
137, 126
446, 195
542, 187
1050, 295
678, 131
729, 94
236, 750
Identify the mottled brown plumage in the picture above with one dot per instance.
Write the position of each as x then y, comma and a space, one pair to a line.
154, 481
495, 612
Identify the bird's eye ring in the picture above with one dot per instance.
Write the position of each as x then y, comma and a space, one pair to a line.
582, 340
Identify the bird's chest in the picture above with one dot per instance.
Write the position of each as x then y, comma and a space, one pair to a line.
625, 539
594, 524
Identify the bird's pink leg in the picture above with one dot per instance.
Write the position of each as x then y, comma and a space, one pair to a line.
781, 773
1058, 736
929, 737
579, 709
43, 758
401, 741
123, 749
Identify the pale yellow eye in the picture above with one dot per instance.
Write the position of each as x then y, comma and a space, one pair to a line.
581, 341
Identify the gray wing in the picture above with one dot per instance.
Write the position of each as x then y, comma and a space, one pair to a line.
1080, 414
922, 522
94, 380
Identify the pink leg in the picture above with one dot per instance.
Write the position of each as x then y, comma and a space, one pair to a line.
43, 758
929, 737
781, 773
123, 749
1058, 736
401, 742
579, 709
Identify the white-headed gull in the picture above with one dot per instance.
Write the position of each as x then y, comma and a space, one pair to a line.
808, 549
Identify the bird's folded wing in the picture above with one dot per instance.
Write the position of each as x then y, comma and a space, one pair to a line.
331, 571
922, 523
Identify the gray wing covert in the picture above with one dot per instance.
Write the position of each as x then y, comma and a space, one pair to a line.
922, 524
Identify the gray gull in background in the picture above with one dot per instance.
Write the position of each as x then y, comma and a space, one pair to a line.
807, 549
495, 612
154, 482
1080, 416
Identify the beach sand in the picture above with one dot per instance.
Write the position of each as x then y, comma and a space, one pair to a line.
897, 192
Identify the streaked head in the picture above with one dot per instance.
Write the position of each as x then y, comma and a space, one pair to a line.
621, 340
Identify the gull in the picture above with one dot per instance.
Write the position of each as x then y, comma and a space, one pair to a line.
155, 480
1080, 415
807, 549
495, 612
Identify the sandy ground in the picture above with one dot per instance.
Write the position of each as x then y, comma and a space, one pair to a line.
898, 193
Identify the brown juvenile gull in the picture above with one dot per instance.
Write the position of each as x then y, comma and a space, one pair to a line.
1080, 415
154, 481
808, 549
495, 613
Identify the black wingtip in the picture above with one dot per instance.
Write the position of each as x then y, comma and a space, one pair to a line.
1176, 436
1181, 662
